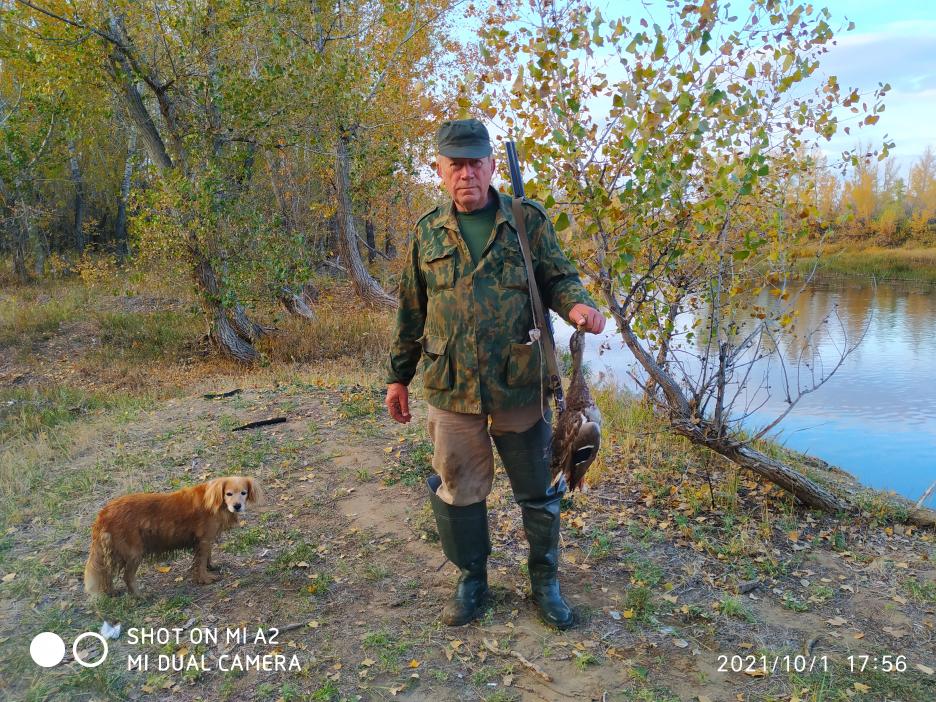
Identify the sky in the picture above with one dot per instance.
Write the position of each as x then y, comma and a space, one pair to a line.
894, 41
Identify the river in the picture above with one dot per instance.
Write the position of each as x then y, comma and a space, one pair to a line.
876, 416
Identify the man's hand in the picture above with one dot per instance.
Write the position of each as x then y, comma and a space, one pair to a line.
398, 402
585, 318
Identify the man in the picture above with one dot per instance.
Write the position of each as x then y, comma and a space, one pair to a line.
465, 309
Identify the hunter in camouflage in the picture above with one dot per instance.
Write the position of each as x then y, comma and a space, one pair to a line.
465, 319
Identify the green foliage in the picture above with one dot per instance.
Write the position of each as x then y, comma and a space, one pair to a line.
678, 154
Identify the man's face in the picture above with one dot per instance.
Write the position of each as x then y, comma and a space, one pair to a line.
466, 180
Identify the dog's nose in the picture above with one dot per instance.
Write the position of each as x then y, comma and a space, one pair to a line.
237, 507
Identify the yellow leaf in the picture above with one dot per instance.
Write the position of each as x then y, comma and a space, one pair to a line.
414, 663
628, 614
793, 536
313, 624
924, 668
861, 687
163, 569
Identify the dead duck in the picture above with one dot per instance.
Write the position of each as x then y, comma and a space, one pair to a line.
577, 432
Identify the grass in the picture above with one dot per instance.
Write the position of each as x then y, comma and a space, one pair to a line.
335, 333
912, 264
146, 337
414, 464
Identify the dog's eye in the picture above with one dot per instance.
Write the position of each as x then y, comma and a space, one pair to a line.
243, 492
229, 494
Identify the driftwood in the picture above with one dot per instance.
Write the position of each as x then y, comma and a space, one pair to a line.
261, 423
219, 395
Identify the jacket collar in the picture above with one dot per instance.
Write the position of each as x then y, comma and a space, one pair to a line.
445, 216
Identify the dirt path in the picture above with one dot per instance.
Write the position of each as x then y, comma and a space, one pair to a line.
341, 561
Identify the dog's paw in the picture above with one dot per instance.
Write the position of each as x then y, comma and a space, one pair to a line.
206, 578
214, 568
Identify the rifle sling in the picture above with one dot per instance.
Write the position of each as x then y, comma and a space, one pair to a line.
539, 317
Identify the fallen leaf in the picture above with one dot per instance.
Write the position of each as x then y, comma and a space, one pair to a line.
507, 680
313, 624
837, 621
924, 668
163, 569
861, 687
628, 614
680, 643
397, 690
896, 632
414, 663
368, 662
9, 577
793, 536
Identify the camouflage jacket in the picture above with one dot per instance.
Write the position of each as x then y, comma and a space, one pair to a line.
470, 324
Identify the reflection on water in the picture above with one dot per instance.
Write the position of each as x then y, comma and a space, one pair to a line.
876, 417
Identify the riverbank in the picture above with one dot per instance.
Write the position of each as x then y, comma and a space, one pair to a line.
672, 561
913, 264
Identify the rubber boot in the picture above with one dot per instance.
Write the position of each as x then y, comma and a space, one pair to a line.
463, 532
526, 459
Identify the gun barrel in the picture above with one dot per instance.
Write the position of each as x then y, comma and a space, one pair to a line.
513, 165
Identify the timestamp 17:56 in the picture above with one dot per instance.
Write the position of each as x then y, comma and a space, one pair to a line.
885, 663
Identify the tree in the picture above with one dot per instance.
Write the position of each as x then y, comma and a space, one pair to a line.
922, 191
674, 196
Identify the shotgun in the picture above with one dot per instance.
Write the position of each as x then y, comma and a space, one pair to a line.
541, 320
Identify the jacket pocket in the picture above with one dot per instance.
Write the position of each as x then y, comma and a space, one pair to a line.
523, 365
440, 269
436, 370
514, 276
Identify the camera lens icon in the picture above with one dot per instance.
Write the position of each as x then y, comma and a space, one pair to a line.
48, 649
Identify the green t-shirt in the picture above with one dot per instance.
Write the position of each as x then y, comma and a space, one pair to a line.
476, 227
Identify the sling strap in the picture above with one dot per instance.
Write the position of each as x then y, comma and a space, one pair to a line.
539, 317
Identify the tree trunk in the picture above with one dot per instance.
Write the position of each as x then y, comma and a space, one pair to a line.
365, 286
223, 333
370, 239
78, 235
300, 305
120, 228
684, 421
139, 115
20, 237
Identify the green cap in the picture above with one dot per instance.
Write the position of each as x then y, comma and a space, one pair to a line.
463, 138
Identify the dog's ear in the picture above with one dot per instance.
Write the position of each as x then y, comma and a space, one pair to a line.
214, 495
254, 494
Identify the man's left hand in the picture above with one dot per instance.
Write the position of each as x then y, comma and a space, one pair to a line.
585, 318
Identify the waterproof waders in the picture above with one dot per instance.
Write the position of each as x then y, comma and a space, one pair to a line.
463, 532
526, 459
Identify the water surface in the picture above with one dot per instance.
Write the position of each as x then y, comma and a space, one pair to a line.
876, 416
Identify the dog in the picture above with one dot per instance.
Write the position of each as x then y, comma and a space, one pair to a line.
132, 527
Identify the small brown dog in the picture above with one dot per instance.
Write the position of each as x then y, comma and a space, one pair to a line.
134, 526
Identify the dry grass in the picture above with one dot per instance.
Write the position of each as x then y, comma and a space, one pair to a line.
914, 264
341, 329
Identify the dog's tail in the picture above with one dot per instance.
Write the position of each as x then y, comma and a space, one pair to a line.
98, 575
